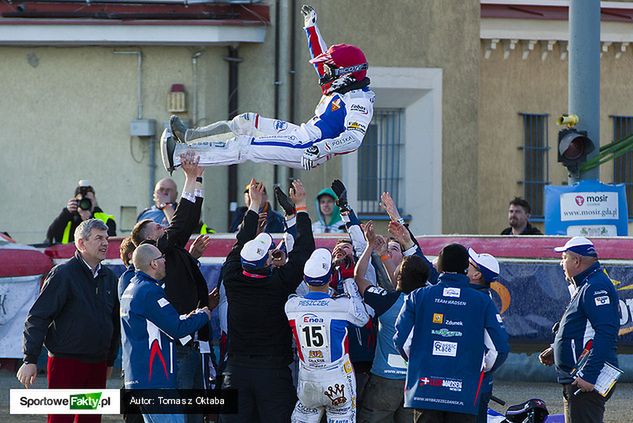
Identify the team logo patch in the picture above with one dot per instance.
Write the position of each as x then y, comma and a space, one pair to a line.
315, 354
336, 394
602, 300
357, 127
280, 125
445, 349
348, 367
438, 318
452, 292
376, 290
446, 333
358, 108
336, 104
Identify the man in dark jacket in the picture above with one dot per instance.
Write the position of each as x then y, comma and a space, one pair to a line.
518, 218
185, 286
260, 338
81, 207
76, 316
587, 331
274, 220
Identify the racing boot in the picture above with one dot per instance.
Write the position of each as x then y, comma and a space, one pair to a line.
167, 148
178, 128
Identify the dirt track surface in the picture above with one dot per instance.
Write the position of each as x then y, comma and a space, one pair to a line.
619, 409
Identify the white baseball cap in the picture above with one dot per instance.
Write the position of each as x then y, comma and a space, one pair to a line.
487, 264
255, 252
318, 268
579, 245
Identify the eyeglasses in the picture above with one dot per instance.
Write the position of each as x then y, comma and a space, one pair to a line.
162, 256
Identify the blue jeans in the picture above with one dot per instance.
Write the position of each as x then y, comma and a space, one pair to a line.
164, 418
189, 374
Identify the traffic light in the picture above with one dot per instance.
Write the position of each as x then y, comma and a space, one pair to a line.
573, 147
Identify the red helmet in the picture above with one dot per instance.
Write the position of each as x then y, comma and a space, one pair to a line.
341, 60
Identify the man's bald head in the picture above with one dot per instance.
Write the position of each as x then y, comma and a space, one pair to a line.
148, 259
165, 190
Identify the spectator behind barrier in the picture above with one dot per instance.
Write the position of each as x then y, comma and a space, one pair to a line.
81, 207
518, 215
329, 214
165, 195
274, 220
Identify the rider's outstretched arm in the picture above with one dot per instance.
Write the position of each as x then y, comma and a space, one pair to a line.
316, 45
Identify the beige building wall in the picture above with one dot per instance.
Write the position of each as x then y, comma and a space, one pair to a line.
67, 110
533, 85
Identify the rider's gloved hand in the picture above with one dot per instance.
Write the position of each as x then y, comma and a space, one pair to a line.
309, 15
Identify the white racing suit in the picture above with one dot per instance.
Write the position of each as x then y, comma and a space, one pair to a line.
338, 126
326, 376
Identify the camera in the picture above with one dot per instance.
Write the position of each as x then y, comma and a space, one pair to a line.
83, 202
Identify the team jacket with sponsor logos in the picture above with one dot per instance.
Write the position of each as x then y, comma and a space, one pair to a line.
319, 324
592, 314
450, 321
340, 118
149, 326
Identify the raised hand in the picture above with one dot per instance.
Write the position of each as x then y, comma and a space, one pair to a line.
309, 15
401, 234
190, 164
298, 194
370, 233
387, 203
256, 192
199, 245
341, 192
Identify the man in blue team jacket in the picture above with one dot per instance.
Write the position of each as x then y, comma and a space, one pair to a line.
446, 360
150, 325
589, 325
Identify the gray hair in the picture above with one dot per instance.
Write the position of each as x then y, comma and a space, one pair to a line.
85, 228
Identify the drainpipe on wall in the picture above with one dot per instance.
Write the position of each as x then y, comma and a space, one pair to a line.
277, 84
292, 71
234, 60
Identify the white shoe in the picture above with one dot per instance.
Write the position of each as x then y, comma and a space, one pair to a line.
167, 148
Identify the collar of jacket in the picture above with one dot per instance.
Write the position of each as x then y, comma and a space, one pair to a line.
145, 277
581, 278
84, 265
454, 278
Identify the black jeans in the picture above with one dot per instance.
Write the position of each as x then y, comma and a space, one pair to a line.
264, 394
586, 407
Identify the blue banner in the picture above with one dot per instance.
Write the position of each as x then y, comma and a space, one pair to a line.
589, 208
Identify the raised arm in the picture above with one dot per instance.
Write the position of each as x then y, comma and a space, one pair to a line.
187, 214
316, 45
363, 263
292, 273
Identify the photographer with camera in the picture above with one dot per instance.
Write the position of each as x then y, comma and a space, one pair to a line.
81, 207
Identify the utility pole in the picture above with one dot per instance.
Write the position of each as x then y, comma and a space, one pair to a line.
584, 75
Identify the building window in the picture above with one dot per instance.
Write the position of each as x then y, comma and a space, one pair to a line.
379, 161
535, 161
623, 165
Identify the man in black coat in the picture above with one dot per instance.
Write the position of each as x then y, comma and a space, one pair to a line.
185, 286
260, 338
76, 316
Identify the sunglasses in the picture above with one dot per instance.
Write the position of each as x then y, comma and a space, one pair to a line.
162, 256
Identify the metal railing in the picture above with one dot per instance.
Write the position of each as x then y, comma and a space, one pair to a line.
535, 161
379, 160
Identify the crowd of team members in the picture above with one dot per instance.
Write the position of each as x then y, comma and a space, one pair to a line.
356, 336
305, 331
